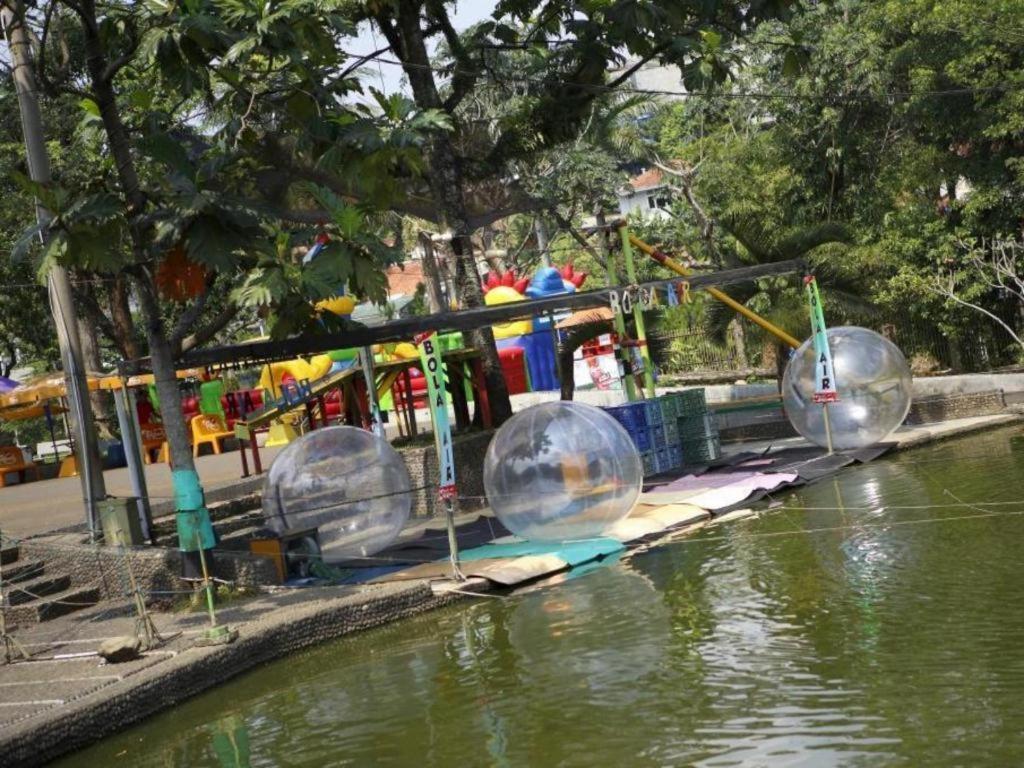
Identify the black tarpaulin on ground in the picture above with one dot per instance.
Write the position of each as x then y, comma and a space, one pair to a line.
432, 544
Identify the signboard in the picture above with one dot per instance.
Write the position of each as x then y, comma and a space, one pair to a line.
433, 371
824, 373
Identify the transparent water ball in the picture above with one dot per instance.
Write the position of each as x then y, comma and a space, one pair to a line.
561, 471
348, 483
874, 384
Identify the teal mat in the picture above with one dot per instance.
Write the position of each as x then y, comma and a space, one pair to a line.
573, 552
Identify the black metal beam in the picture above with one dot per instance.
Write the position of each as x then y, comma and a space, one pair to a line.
444, 322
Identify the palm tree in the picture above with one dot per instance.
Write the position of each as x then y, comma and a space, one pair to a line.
778, 299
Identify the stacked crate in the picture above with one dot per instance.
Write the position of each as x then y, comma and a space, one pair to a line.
644, 428
698, 430
670, 431
654, 429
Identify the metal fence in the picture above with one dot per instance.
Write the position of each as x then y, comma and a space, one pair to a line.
928, 350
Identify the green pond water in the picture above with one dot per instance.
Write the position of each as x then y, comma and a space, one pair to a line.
871, 620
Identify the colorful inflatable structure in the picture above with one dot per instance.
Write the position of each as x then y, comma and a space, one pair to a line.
529, 341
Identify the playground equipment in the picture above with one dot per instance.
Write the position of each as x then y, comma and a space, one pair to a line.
339, 305
349, 484
503, 294
670, 263
874, 389
535, 338
561, 471
275, 375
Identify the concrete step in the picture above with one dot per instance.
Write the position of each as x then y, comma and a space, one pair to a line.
37, 588
239, 523
9, 554
52, 606
238, 541
22, 570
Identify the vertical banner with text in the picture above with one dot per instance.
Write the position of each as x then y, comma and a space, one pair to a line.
433, 371
824, 374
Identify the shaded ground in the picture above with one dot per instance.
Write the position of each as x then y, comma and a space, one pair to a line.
36, 507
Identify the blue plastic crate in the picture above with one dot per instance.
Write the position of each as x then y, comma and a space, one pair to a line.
632, 416
675, 453
657, 437
652, 411
663, 460
641, 439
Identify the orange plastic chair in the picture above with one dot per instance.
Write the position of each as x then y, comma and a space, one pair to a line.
13, 460
210, 429
153, 437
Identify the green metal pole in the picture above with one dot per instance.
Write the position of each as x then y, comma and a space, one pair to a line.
638, 313
620, 328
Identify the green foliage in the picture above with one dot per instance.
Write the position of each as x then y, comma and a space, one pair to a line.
867, 116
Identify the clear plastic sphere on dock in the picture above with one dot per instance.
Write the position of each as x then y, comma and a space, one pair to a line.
561, 471
348, 483
874, 385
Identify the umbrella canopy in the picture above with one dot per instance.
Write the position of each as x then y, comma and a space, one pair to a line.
584, 316
44, 387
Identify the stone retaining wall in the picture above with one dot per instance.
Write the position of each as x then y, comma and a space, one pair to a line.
421, 461
771, 423
155, 569
933, 408
39, 739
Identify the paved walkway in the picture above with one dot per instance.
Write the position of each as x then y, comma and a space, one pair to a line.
36, 507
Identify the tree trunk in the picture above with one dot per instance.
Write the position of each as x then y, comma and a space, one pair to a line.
103, 415
435, 296
165, 375
120, 150
542, 240
739, 343
446, 182
781, 360
121, 318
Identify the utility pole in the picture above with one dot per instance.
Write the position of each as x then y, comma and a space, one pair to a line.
90, 471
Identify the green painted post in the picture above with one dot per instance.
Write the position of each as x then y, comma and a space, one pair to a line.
620, 329
638, 313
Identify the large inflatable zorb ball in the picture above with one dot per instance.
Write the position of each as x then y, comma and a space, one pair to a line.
561, 471
348, 483
874, 386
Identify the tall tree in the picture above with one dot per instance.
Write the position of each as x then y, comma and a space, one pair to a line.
191, 108
574, 43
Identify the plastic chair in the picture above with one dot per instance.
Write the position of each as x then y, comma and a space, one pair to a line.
13, 460
210, 393
210, 429
153, 438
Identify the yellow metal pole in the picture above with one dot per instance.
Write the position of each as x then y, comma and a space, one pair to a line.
730, 302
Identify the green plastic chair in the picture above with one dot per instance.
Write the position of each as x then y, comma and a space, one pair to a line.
210, 393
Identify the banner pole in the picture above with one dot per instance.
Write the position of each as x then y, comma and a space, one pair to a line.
828, 428
433, 370
825, 390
